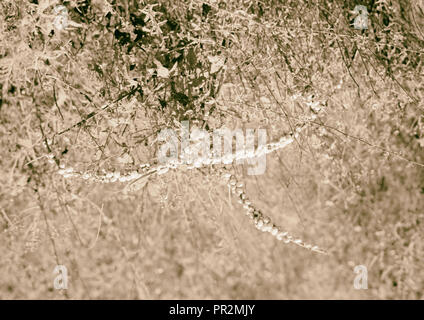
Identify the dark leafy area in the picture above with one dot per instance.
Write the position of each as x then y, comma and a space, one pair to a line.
96, 94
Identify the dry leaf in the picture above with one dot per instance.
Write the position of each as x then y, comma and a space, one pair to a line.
136, 185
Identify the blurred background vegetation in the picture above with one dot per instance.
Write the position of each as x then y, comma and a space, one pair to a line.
97, 93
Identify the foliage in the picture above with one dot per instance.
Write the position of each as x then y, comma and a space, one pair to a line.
96, 94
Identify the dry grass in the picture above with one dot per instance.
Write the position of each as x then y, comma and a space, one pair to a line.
91, 99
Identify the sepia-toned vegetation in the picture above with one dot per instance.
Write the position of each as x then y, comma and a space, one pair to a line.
81, 108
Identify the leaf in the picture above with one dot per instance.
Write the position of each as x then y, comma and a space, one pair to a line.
217, 63
61, 96
136, 185
75, 24
191, 57
161, 70
126, 158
